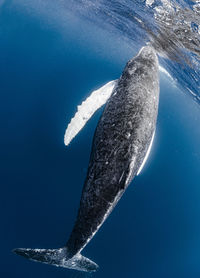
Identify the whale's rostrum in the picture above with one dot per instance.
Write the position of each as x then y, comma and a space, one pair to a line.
121, 143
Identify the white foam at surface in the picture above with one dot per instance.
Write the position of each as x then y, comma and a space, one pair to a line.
149, 2
87, 109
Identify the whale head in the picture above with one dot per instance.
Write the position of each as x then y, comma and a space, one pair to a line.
146, 56
147, 52
143, 65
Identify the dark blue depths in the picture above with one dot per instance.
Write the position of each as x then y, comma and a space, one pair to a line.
154, 231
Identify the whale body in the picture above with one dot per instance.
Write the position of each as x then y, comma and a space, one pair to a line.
121, 144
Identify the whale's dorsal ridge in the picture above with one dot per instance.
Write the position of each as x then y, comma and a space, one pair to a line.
86, 110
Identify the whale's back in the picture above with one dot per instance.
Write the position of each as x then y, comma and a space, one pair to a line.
120, 143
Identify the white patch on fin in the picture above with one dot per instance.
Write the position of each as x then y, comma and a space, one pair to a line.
87, 109
147, 155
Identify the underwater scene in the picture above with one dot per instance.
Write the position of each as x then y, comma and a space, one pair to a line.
67, 70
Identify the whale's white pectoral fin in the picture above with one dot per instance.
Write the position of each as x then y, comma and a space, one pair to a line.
147, 155
87, 109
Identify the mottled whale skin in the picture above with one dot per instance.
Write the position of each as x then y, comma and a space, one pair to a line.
121, 141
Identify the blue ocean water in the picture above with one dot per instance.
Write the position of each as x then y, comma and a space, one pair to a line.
45, 73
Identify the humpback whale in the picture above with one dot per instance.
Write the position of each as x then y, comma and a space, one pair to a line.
121, 144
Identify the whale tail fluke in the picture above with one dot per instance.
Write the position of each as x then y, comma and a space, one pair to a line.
58, 257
